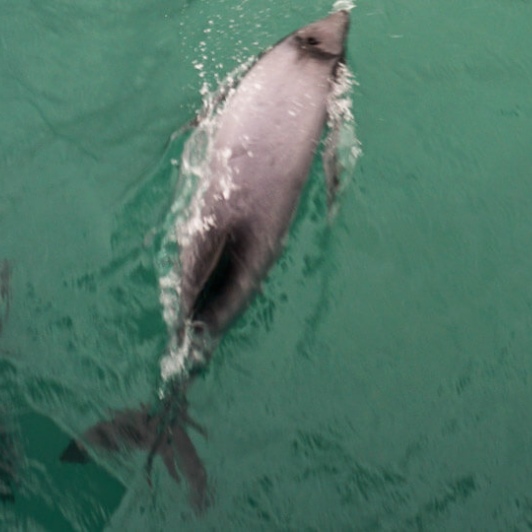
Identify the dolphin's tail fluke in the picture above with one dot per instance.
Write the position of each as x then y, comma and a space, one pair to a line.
162, 433
174, 445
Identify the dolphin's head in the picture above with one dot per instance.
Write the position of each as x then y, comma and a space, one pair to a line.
325, 38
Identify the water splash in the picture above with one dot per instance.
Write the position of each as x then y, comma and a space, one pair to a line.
346, 5
184, 220
342, 147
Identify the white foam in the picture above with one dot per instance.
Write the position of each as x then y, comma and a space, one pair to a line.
342, 147
346, 5
185, 218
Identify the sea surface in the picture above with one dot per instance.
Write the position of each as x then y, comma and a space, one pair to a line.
382, 380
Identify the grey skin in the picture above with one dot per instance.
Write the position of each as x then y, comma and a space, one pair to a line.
263, 148
262, 151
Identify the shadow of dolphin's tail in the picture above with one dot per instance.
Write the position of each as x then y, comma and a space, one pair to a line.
162, 433
8, 461
5, 295
8, 449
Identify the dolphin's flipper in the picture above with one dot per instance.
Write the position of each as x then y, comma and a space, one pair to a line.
331, 164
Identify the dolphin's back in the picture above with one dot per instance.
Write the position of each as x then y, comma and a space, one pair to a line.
270, 129
262, 151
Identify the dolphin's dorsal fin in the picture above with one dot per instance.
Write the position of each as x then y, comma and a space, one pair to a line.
331, 164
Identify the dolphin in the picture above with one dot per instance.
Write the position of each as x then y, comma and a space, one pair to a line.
261, 156
262, 150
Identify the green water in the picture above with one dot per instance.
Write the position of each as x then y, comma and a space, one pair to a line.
382, 379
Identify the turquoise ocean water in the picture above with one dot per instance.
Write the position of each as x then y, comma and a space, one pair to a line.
381, 381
